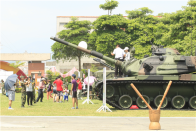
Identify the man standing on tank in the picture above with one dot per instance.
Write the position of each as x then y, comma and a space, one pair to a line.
119, 55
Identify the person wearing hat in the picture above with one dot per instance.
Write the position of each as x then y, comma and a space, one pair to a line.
127, 54
3, 87
40, 90
119, 55
74, 92
79, 91
23, 90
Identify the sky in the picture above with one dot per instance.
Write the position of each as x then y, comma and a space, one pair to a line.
28, 25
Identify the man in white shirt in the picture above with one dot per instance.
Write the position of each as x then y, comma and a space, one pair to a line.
119, 55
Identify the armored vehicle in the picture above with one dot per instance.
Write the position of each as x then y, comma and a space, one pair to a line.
151, 76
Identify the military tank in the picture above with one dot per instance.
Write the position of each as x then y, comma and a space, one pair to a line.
151, 76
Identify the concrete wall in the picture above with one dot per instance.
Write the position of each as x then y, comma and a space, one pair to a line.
33, 70
63, 20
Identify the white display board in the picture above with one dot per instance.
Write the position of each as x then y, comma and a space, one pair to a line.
88, 100
104, 106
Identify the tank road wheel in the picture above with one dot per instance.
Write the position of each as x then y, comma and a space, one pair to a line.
141, 103
125, 101
158, 99
109, 91
192, 102
178, 102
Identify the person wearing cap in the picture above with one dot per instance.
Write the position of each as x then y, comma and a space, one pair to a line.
79, 91
119, 55
23, 90
59, 89
74, 92
40, 90
127, 54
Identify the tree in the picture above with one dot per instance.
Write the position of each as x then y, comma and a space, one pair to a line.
182, 31
109, 5
144, 30
76, 31
17, 64
141, 12
108, 32
52, 75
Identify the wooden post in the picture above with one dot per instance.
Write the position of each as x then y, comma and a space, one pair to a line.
141, 96
166, 91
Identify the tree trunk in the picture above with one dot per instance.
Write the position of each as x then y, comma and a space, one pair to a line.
79, 61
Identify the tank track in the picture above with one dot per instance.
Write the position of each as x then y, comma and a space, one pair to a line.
103, 63
134, 82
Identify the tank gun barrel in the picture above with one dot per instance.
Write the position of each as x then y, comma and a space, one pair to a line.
93, 53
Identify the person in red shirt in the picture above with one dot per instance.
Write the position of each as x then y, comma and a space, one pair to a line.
79, 91
59, 89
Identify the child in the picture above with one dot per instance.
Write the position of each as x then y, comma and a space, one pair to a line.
66, 94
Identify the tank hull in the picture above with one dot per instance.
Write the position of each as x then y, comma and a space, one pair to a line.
181, 91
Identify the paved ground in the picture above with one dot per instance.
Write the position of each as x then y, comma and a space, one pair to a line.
93, 123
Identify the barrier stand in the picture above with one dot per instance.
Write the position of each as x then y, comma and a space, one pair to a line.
88, 100
104, 107
154, 115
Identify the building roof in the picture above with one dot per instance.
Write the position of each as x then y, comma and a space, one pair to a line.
79, 16
25, 56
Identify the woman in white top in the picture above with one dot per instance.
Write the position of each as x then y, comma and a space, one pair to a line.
127, 54
29, 91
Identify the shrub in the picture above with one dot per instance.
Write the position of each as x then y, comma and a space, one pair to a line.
18, 90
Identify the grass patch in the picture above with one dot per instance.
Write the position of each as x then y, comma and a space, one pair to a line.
49, 108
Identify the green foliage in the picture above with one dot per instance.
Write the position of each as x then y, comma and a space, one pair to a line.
109, 5
18, 90
76, 32
181, 29
93, 68
145, 30
68, 78
141, 12
108, 33
52, 75
17, 64
84, 71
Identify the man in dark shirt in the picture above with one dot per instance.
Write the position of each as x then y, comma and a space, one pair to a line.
74, 92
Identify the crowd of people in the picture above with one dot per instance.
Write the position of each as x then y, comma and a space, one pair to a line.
57, 88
